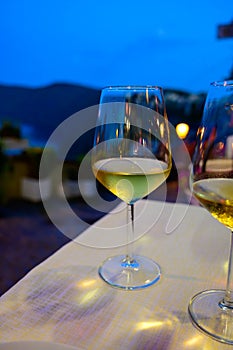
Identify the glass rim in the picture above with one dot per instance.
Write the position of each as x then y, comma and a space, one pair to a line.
131, 87
226, 82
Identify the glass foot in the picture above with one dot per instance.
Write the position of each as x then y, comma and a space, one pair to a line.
141, 272
209, 315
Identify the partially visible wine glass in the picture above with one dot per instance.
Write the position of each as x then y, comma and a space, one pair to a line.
212, 183
131, 157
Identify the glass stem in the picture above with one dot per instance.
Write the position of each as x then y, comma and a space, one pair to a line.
228, 299
130, 233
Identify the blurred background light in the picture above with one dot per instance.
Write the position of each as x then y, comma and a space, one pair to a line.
182, 130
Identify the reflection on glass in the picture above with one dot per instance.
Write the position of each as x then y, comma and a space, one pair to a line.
131, 158
212, 183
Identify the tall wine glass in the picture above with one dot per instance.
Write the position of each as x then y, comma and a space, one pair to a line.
212, 182
131, 157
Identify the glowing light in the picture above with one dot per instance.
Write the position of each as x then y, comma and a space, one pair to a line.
127, 125
193, 341
201, 132
220, 146
225, 266
86, 283
127, 108
147, 96
141, 326
162, 129
88, 297
182, 130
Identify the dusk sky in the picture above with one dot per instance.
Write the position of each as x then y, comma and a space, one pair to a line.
97, 43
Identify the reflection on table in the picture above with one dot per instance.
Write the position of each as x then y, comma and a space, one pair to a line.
63, 300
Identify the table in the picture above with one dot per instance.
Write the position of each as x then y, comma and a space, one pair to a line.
64, 301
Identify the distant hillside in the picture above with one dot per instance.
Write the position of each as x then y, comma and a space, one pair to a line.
46, 107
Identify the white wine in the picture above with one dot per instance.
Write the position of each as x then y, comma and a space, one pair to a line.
216, 195
131, 179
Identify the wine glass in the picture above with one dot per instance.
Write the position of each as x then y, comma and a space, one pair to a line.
131, 157
212, 184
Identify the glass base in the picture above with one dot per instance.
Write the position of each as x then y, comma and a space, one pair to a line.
209, 314
120, 272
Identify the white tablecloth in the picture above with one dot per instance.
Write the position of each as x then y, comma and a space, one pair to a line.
64, 301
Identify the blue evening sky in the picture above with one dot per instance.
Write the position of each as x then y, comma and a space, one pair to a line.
98, 43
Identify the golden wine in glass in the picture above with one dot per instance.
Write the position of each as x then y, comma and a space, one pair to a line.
131, 157
212, 183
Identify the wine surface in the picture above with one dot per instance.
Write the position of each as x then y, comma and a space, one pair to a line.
216, 195
131, 179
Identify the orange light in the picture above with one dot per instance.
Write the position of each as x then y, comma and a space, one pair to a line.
182, 130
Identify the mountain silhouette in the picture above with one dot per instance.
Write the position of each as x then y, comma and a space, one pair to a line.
44, 108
